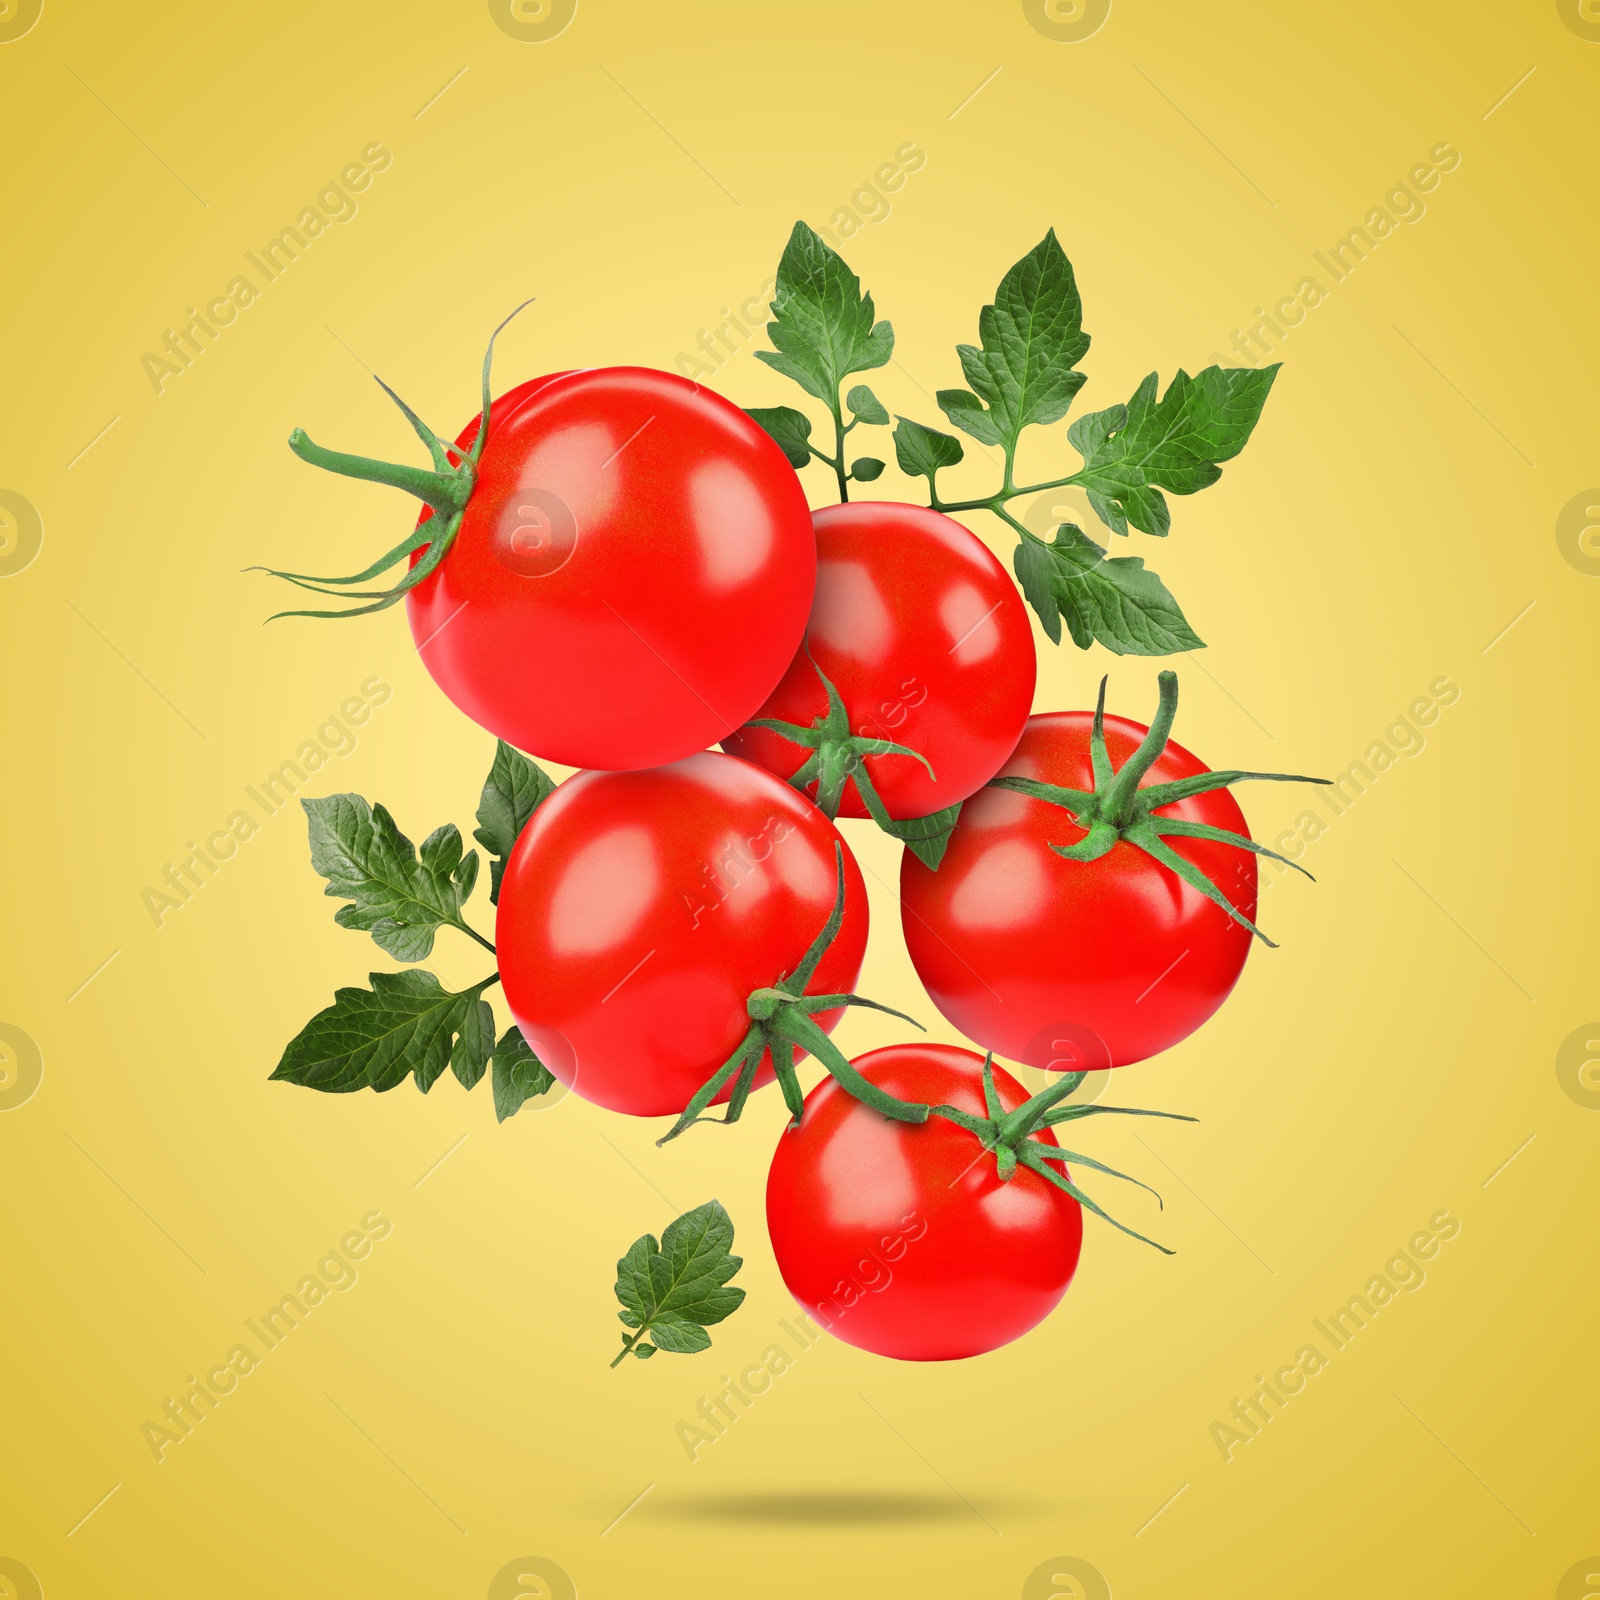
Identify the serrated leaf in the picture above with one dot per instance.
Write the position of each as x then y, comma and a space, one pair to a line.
399, 899
922, 451
518, 1074
927, 837
405, 1024
865, 406
1132, 452
822, 328
788, 428
866, 469
678, 1334
1111, 599
966, 411
474, 1044
675, 1289
512, 792
1032, 340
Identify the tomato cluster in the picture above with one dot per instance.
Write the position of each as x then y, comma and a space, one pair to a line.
617, 570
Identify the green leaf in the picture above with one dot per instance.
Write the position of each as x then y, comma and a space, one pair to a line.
922, 451
866, 469
518, 1074
676, 1289
966, 411
514, 789
1132, 452
865, 406
790, 429
406, 1023
822, 328
397, 898
1112, 599
1033, 339
928, 837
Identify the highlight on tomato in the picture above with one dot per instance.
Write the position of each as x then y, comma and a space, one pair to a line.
1096, 897
612, 569
917, 671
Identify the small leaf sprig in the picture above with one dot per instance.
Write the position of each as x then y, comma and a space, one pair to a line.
406, 1024
673, 1291
1024, 373
823, 330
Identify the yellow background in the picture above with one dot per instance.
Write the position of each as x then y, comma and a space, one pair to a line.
1396, 510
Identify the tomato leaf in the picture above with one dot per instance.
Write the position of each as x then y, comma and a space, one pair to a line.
673, 1291
518, 1074
1033, 339
922, 451
513, 791
397, 897
822, 328
1113, 599
927, 837
866, 468
406, 1024
790, 430
1132, 452
865, 406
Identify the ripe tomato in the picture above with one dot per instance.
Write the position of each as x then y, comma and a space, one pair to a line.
901, 1238
1077, 965
927, 641
639, 910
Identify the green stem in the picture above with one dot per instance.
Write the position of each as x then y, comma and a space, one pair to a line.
628, 1344
472, 933
838, 446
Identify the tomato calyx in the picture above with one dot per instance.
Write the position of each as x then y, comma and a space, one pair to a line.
781, 1021
1118, 808
446, 490
837, 756
1010, 1137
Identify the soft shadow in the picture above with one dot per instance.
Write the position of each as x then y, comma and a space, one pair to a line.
816, 1509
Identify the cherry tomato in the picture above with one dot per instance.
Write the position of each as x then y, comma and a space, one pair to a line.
901, 1238
927, 641
1077, 965
631, 576
639, 910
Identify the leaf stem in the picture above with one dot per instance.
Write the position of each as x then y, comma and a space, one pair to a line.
628, 1344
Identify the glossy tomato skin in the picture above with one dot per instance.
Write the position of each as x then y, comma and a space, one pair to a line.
926, 638
1076, 964
632, 574
901, 1238
639, 910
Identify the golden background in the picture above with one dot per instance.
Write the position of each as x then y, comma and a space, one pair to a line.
1397, 518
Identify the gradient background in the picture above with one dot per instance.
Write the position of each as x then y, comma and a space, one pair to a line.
1399, 516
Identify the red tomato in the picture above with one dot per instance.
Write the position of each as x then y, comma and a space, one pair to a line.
901, 1238
631, 576
927, 640
639, 910
1076, 965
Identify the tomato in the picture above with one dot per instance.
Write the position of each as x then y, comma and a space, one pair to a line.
1079, 964
902, 1238
926, 639
630, 571
639, 910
